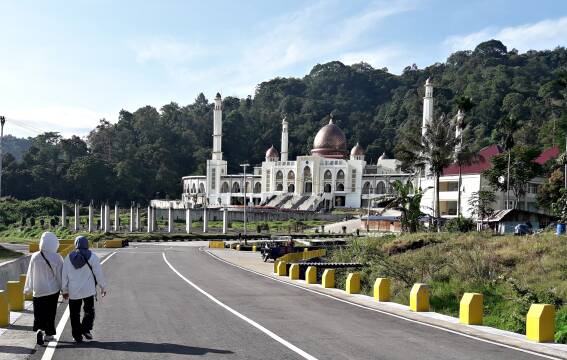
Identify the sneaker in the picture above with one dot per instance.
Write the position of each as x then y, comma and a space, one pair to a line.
48, 338
78, 340
88, 335
39, 337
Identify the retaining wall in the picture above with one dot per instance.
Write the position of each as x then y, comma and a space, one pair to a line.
11, 270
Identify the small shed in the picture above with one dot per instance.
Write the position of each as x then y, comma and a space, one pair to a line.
504, 221
386, 221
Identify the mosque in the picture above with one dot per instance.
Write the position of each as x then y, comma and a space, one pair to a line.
329, 177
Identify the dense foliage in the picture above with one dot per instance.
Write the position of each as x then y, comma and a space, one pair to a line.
147, 151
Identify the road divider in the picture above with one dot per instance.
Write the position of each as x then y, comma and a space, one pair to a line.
294, 272
311, 275
471, 309
540, 323
328, 279
282, 268
276, 262
419, 298
216, 244
352, 285
23, 282
382, 289
15, 295
4, 309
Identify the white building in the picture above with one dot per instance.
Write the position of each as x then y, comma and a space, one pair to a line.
326, 178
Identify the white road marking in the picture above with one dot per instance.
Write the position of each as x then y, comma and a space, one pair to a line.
382, 312
239, 315
50, 349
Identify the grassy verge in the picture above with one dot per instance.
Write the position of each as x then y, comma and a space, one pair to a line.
512, 272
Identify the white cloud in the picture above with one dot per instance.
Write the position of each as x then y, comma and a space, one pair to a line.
545, 34
65, 120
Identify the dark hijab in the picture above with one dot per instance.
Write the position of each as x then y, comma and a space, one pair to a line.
82, 254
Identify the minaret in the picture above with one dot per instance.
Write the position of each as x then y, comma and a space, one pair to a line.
284, 139
217, 129
427, 105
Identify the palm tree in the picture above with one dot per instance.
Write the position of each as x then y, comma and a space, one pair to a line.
507, 128
408, 202
463, 155
434, 151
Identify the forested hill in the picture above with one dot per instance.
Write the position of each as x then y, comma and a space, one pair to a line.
149, 150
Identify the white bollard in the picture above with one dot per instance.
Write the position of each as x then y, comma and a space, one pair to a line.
137, 223
63, 215
224, 221
131, 218
188, 221
77, 217
149, 219
116, 217
91, 217
170, 219
205, 220
106, 218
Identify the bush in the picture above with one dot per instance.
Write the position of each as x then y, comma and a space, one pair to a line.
459, 224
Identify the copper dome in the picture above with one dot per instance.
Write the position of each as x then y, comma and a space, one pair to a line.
330, 141
272, 153
357, 150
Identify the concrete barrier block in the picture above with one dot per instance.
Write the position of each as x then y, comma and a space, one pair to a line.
23, 283
282, 268
253, 247
328, 279
276, 262
353, 283
540, 323
15, 295
294, 272
216, 244
471, 309
419, 297
4, 309
311, 275
382, 289
33, 247
238, 247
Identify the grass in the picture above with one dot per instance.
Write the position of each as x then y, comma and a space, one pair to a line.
512, 272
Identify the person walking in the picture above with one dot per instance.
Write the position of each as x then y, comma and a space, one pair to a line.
43, 281
82, 274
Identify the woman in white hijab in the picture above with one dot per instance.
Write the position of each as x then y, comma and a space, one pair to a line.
44, 282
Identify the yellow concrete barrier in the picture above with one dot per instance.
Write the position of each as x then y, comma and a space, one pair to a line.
540, 323
353, 283
33, 247
253, 247
419, 297
4, 309
15, 295
303, 255
471, 309
112, 244
328, 279
23, 283
305, 249
294, 272
311, 275
282, 268
65, 250
276, 262
382, 289
216, 244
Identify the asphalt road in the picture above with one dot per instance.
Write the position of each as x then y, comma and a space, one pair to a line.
151, 312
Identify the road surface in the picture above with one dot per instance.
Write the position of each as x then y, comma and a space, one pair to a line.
179, 302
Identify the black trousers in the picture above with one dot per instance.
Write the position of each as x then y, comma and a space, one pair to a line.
44, 310
78, 327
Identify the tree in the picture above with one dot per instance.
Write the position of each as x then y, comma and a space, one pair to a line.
507, 129
432, 152
520, 167
408, 202
550, 190
463, 154
480, 204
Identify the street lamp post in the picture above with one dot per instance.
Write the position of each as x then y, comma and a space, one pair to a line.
2, 122
245, 200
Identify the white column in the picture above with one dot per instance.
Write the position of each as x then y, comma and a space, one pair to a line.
188, 221
63, 215
217, 129
131, 218
149, 219
205, 220
224, 220
170, 219
91, 217
153, 219
137, 223
101, 217
106, 218
116, 217
284, 140
427, 106
77, 217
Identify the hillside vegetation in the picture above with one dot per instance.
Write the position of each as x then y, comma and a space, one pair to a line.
147, 151
512, 272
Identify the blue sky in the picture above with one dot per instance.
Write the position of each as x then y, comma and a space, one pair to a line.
65, 65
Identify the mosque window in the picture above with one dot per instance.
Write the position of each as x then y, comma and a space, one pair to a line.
213, 178
290, 176
380, 188
235, 187
328, 175
353, 181
366, 188
340, 187
224, 187
257, 188
268, 180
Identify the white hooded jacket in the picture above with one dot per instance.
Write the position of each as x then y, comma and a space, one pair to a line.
80, 283
41, 280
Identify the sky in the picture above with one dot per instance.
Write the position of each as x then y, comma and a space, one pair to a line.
64, 65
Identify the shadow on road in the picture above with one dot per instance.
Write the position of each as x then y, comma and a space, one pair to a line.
21, 327
143, 347
16, 350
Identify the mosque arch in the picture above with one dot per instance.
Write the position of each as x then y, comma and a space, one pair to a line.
235, 187
327, 188
279, 187
307, 180
328, 175
340, 187
380, 188
290, 176
340, 175
201, 188
193, 189
279, 176
224, 187
257, 188
291, 188
366, 188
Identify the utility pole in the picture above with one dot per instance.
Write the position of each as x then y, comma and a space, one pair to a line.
245, 200
2, 122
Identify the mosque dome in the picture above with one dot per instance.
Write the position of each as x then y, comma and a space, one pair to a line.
330, 141
357, 150
272, 153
